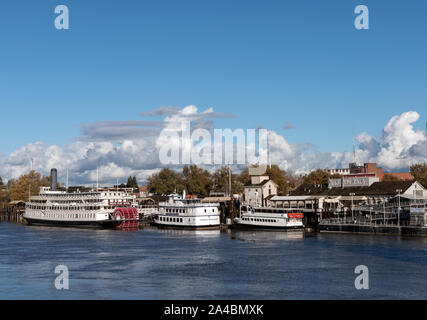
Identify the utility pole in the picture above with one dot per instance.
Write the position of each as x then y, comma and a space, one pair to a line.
231, 193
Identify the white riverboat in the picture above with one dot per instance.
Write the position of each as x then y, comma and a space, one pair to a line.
105, 207
269, 218
187, 214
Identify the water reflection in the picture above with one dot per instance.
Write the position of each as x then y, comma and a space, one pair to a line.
186, 232
252, 235
205, 264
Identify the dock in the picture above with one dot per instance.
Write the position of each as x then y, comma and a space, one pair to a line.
409, 219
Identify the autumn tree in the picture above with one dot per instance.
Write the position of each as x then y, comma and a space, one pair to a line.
389, 177
419, 172
279, 176
19, 189
197, 180
318, 176
166, 181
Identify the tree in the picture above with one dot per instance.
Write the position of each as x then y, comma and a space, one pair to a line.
132, 183
244, 177
166, 181
1, 182
19, 189
220, 181
279, 176
419, 172
318, 176
197, 180
389, 177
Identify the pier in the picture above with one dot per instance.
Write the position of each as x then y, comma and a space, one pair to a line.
407, 218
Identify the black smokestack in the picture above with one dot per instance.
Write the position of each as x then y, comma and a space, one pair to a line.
53, 179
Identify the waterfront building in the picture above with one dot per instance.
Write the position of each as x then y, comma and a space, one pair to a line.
370, 168
319, 199
261, 189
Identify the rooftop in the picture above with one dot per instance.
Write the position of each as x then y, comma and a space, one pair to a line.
377, 188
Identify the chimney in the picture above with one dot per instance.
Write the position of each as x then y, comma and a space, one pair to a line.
53, 179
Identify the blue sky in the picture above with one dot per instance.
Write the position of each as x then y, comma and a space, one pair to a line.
267, 62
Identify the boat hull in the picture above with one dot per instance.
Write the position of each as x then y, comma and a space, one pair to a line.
186, 227
93, 224
258, 227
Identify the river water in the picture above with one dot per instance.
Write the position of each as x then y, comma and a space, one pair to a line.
166, 264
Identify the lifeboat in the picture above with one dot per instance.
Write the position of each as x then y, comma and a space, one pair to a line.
295, 215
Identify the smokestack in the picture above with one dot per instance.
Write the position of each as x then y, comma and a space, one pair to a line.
53, 179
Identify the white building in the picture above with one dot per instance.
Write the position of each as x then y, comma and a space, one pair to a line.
261, 188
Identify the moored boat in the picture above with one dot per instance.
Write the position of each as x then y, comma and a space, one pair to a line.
269, 218
105, 207
187, 214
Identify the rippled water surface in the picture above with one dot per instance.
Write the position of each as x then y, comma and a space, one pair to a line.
162, 264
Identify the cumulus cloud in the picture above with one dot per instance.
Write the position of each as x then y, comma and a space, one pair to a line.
122, 148
399, 146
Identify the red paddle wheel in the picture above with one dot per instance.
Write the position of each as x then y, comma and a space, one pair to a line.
127, 218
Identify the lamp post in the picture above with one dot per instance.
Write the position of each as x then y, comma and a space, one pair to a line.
352, 215
398, 209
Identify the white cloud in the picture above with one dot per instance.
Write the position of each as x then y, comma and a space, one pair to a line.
123, 148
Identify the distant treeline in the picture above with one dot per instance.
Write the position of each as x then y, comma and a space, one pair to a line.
193, 179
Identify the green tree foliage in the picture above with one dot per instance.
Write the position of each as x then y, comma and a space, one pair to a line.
166, 181
132, 183
220, 181
279, 176
1, 182
419, 172
197, 180
244, 177
18, 189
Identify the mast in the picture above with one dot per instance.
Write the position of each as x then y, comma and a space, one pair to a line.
66, 181
268, 148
